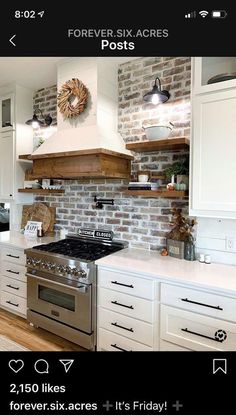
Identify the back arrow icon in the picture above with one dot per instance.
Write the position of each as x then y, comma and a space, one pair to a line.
11, 40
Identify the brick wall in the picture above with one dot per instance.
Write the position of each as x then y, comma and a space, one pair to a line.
45, 99
137, 78
143, 222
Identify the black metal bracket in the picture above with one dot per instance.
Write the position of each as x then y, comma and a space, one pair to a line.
101, 202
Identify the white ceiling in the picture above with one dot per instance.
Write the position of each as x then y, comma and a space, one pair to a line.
34, 72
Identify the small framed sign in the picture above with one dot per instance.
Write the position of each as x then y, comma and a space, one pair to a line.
32, 227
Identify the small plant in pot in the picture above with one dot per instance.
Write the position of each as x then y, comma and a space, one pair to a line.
180, 170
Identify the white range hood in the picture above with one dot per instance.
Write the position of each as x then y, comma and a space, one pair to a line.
96, 127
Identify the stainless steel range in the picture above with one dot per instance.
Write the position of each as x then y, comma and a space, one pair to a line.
61, 289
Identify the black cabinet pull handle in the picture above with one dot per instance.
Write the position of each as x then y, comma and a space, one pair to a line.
202, 304
204, 336
122, 327
122, 305
11, 286
123, 285
13, 256
119, 348
12, 272
9, 302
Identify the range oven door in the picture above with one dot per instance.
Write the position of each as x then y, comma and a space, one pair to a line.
69, 305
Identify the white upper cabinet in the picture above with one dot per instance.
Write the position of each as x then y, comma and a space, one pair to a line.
7, 165
213, 148
213, 74
7, 114
16, 106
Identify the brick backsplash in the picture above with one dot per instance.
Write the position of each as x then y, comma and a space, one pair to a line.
45, 99
141, 221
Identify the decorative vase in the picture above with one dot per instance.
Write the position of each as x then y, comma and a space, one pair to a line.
182, 179
189, 249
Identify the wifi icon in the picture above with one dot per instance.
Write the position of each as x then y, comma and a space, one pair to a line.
203, 13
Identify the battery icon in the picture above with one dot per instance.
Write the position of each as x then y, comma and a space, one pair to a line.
218, 14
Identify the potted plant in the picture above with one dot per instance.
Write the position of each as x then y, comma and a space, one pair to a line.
180, 170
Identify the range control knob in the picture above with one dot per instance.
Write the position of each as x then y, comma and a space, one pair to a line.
69, 270
82, 273
29, 261
51, 266
43, 264
61, 269
76, 272
48, 265
35, 262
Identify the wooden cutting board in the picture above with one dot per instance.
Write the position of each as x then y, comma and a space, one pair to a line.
41, 213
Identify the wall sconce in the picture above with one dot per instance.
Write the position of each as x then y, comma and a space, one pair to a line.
157, 95
36, 123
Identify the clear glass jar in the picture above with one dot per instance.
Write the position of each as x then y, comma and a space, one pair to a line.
189, 249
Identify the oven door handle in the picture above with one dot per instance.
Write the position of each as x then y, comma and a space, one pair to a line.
77, 289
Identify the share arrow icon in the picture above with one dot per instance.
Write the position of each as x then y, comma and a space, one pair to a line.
67, 363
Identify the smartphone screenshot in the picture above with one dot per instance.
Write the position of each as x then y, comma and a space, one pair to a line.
117, 209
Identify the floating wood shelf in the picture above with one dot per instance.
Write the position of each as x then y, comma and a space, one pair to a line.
41, 191
157, 193
179, 143
25, 157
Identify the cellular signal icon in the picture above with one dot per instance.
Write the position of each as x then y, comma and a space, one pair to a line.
191, 15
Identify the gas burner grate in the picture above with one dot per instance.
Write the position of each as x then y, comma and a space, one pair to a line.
83, 250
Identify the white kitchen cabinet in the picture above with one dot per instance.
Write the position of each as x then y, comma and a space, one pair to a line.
132, 328
13, 284
166, 315
127, 311
7, 155
201, 302
16, 106
213, 145
206, 68
7, 113
196, 332
109, 341
197, 320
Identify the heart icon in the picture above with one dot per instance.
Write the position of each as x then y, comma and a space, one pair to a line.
16, 365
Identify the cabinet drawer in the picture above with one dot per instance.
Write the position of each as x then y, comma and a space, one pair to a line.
14, 287
195, 331
127, 284
115, 343
13, 302
170, 347
198, 301
13, 271
126, 326
13, 255
126, 304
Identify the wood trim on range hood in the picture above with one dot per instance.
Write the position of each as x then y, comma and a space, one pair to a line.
95, 163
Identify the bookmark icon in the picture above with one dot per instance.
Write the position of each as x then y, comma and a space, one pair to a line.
67, 363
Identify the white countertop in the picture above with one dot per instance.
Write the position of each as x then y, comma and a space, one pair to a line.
151, 264
148, 264
18, 240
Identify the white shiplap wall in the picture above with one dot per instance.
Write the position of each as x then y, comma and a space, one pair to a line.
212, 237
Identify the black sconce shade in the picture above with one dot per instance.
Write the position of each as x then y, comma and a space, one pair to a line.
36, 123
157, 95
